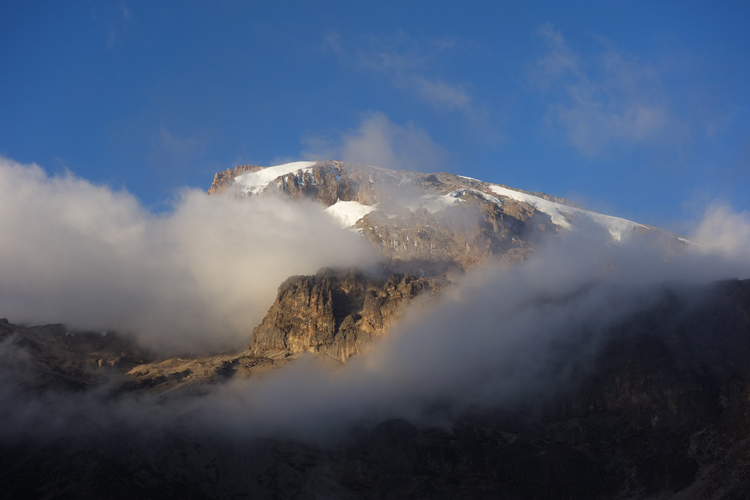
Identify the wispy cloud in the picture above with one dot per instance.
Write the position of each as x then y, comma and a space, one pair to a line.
442, 94
602, 99
171, 151
116, 20
406, 63
380, 142
178, 146
125, 11
197, 277
410, 65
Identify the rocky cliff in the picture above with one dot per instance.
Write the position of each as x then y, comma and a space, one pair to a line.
336, 313
223, 180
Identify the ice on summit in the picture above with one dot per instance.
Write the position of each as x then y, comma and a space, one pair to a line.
556, 211
251, 183
349, 212
560, 214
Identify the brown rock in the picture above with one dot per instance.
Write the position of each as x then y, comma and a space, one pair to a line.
223, 180
460, 237
335, 313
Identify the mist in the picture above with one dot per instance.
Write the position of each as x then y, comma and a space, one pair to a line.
202, 275
196, 279
503, 337
382, 143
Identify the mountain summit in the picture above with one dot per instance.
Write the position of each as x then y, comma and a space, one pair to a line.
444, 220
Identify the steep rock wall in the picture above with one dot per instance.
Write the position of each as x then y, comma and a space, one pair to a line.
336, 313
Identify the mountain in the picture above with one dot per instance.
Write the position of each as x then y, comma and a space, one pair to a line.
651, 405
437, 222
429, 228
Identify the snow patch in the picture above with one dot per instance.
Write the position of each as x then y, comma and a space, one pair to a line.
251, 183
349, 212
560, 214
469, 178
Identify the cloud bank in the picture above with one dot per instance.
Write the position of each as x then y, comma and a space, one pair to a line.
500, 337
724, 231
382, 143
196, 279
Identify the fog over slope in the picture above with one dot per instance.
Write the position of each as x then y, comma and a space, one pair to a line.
200, 277
501, 337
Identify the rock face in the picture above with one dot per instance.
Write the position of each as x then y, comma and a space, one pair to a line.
668, 397
336, 313
462, 238
224, 180
366, 184
50, 357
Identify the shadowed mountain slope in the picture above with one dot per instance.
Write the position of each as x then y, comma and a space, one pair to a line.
661, 412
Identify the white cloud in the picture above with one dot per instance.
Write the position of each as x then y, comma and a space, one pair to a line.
452, 97
725, 232
380, 142
177, 146
498, 337
560, 59
199, 278
603, 99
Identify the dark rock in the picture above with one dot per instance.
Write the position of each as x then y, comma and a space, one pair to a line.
661, 410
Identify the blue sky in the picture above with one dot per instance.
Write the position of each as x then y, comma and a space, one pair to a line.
637, 109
